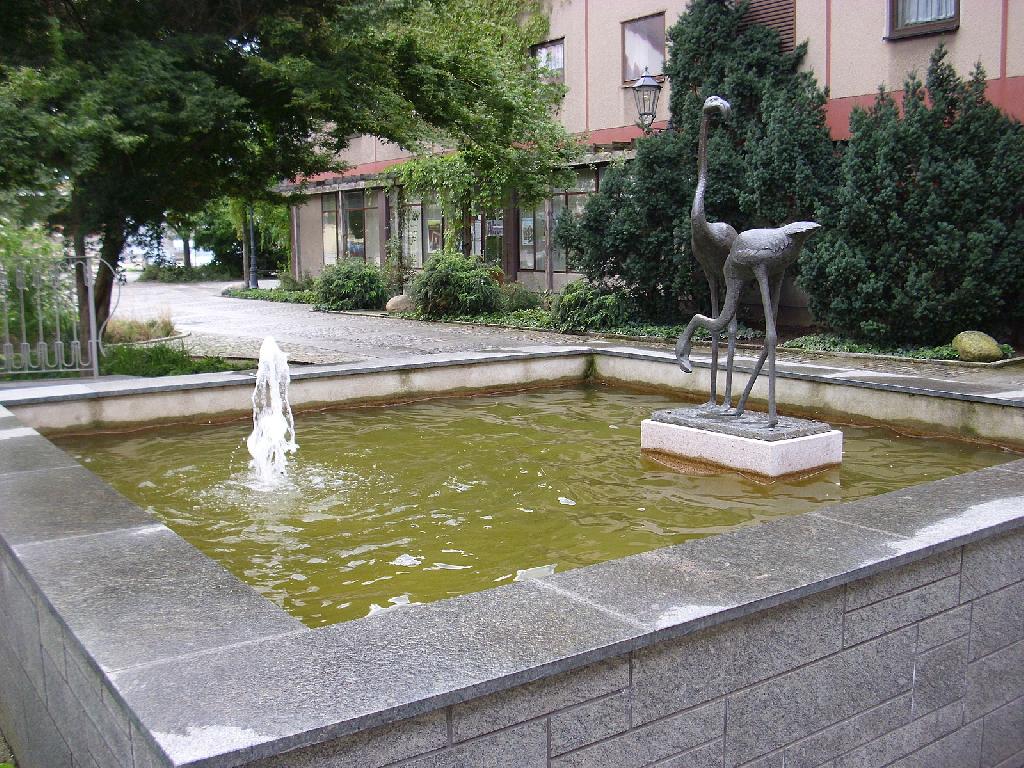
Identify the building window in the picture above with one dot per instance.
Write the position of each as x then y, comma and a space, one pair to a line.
551, 59
362, 226
329, 215
423, 235
534, 249
908, 18
643, 47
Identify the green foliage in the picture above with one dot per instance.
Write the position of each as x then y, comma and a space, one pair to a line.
584, 306
306, 296
127, 330
505, 136
289, 283
35, 252
172, 273
926, 235
515, 297
453, 285
350, 284
161, 360
396, 271
828, 342
771, 162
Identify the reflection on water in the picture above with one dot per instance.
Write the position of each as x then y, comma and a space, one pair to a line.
385, 507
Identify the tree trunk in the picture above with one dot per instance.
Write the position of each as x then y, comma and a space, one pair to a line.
114, 236
186, 249
245, 250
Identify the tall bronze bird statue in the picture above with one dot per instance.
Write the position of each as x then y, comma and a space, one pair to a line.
762, 255
711, 243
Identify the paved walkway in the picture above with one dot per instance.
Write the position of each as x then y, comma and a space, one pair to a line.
236, 328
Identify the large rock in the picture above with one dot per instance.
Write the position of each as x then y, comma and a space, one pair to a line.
977, 347
401, 303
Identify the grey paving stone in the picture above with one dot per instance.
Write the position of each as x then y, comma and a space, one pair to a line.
31, 454
112, 724
672, 676
994, 680
709, 755
874, 588
954, 510
769, 715
944, 627
900, 610
500, 710
997, 620
526, 744
940, 676
579, 726
56, 503
1003, 734
956, 750
993, 564
1017, 761
363, 674
51, 635
144, 753
136, 596
653, 742
25, 720
371, 749
900, 742
849, 734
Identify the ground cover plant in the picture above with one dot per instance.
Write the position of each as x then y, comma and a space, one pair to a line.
827, 342
305, 296
162, 360
173, 273
926, 233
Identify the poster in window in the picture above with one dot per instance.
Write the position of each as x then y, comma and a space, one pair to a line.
435, 239
526, 232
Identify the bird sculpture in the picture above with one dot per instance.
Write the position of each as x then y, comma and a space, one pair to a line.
711, 243
762, 255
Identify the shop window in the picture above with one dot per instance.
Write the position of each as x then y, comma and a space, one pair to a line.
362, 226
329, 215
534, 249
643, 47
908, 18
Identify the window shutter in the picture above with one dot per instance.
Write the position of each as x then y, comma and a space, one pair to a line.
780, 15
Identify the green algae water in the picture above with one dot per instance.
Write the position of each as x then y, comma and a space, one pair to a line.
406, 504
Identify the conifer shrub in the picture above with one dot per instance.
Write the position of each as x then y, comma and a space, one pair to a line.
771, 162
350, 284
452, 285
926, 235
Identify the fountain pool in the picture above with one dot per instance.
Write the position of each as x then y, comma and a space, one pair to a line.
415, 503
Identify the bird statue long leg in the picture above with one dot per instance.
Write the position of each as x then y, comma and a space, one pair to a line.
733, 289
715, 339
770, 299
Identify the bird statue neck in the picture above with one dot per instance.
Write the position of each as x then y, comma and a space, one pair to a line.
702, 169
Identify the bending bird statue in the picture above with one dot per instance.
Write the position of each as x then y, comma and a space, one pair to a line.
762, 255
711, 243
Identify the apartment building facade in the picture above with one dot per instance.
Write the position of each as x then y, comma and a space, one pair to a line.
598, 48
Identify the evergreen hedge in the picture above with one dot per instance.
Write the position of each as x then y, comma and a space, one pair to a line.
925, 237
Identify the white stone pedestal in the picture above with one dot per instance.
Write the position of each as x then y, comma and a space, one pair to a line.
745, 444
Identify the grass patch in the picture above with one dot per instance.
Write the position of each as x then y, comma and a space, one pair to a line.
126, 331
827, 342
163, 360
272, 294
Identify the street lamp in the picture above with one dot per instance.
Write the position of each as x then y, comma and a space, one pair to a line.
645, 92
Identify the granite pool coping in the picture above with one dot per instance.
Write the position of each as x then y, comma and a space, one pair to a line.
212, 674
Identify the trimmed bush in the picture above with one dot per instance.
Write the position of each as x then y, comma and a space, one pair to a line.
514, 297
172, 273
585, 306
452, 284
350, 284
926, 236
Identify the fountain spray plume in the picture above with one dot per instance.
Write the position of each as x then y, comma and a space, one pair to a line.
273, 429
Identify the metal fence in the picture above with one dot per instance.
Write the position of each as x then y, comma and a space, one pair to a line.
40, 319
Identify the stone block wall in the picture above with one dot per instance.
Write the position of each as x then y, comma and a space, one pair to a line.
917, 667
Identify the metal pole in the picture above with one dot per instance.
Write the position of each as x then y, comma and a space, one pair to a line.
94, 346
253, 279
549, 266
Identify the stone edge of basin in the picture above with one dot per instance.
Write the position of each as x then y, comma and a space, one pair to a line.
86, 390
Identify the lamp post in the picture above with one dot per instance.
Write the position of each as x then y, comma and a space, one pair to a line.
645, 92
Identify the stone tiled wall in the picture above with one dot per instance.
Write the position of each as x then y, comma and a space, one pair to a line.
54, 707
921, 666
